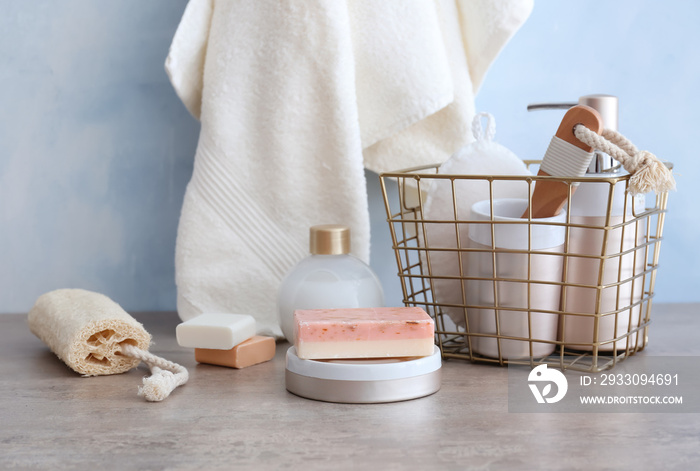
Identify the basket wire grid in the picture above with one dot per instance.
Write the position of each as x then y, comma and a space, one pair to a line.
599, 321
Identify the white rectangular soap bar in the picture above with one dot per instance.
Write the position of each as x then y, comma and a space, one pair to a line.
216, 331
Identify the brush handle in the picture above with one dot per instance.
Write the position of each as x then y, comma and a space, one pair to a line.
579, 114
549, 197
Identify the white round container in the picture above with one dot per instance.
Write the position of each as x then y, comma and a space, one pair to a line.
363, 381
526, 281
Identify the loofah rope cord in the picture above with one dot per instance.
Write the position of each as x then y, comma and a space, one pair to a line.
165, 375
647, 172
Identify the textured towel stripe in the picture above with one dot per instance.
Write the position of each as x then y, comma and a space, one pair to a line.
565, 160
244, 216
240, 203
264, 226
240, 222
214, 196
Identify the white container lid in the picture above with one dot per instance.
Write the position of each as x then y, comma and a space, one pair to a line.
544, 233
363, 381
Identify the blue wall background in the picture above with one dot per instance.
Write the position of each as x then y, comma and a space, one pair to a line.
96, 149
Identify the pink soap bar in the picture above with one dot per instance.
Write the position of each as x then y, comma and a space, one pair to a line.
363, 333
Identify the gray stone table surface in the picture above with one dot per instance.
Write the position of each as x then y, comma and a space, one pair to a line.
51, 418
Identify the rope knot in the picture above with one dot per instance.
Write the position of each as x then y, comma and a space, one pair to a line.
159, 385
650, 174
165, 375
647, 173
642, 159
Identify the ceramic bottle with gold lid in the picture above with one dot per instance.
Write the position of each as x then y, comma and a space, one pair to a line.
329, 278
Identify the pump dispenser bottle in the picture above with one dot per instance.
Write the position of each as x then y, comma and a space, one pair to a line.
599, 256
329, 278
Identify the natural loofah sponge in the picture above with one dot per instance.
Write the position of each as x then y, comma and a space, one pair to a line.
87, 331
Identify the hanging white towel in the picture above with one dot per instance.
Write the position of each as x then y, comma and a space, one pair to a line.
294, 98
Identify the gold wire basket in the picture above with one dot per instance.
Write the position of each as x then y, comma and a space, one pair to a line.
584, 305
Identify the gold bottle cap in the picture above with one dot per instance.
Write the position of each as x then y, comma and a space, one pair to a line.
329, 239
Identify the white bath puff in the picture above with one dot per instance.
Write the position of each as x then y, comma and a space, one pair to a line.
450, 200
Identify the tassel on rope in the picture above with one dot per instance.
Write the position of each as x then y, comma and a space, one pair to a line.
647, 172
651, 175
165, 375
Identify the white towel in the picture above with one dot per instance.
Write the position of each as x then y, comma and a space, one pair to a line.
295, 97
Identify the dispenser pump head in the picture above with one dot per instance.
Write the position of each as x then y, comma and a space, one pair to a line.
606, 105
329, 239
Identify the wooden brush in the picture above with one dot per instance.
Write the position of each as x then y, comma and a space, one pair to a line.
566, 157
